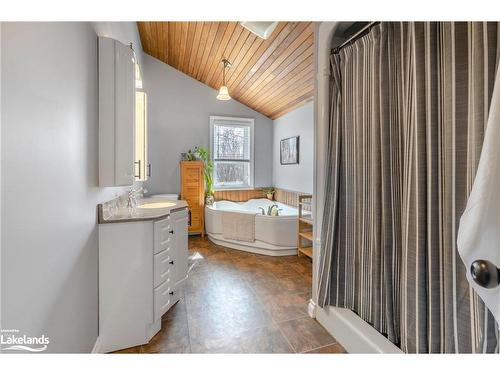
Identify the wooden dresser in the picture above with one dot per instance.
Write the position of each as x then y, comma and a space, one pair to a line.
193, 192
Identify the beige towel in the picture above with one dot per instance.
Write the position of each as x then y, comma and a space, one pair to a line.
238, 226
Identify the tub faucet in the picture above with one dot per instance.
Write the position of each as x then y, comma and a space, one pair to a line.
269, 210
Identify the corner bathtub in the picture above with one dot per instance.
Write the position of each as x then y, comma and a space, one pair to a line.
274, 235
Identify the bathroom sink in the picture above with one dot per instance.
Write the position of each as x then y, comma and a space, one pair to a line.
152, 205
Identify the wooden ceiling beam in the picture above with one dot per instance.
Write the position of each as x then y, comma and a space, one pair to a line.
289, 93
299, 102
287, 29
291, 77
195, 47
276, 104
287, 46
295, 58
219, 53
221, 32
252, 60
272, 76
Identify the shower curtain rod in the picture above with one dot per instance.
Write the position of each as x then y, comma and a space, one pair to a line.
356, 36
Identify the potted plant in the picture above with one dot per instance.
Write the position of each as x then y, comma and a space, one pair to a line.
269, 191
190, 155
204, 155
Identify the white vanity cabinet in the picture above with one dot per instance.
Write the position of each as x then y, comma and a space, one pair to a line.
117, 102
180, 256
142, 266
170, 263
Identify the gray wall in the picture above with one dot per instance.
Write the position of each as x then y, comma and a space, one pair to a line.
178, 118
49, 181
1, 327
296, 177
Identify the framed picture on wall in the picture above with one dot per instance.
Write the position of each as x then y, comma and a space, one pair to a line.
289, 150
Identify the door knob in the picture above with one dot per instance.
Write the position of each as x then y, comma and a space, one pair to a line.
485, 273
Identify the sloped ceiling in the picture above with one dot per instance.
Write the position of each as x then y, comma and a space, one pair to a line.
272, 76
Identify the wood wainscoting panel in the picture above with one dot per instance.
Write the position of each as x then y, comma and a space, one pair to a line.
238, 195
288, 197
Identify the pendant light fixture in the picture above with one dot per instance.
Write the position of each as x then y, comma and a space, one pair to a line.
223, 91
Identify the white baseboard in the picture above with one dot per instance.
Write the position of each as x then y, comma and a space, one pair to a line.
352, 332
97, 347
311, 309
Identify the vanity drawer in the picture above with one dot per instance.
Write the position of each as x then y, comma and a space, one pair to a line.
163, 234
162, 299
162, 267
175, 296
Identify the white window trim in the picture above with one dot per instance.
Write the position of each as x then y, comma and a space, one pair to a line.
234, 121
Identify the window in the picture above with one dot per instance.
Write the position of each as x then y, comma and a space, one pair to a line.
231, 146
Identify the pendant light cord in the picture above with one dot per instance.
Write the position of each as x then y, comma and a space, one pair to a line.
226, 64
224, 74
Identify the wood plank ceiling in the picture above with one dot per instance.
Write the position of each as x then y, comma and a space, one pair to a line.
272, 76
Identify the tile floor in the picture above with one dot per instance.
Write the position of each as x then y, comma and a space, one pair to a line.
237, 302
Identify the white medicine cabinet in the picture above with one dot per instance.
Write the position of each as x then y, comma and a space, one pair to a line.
122, 116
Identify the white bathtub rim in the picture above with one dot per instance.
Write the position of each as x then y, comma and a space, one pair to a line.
265, 202
211, 210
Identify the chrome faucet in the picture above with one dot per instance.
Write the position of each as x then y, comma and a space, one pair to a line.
132, 197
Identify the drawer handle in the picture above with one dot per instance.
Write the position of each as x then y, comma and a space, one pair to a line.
171, 293
171, 262
139, 174
171, 231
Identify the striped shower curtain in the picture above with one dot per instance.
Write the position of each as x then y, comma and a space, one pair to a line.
409, 105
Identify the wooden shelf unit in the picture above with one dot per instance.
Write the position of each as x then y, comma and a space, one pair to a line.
305, 226
307, 235
306, 220
307, 251
193, 192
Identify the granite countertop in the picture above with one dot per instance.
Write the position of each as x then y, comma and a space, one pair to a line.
139, 214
